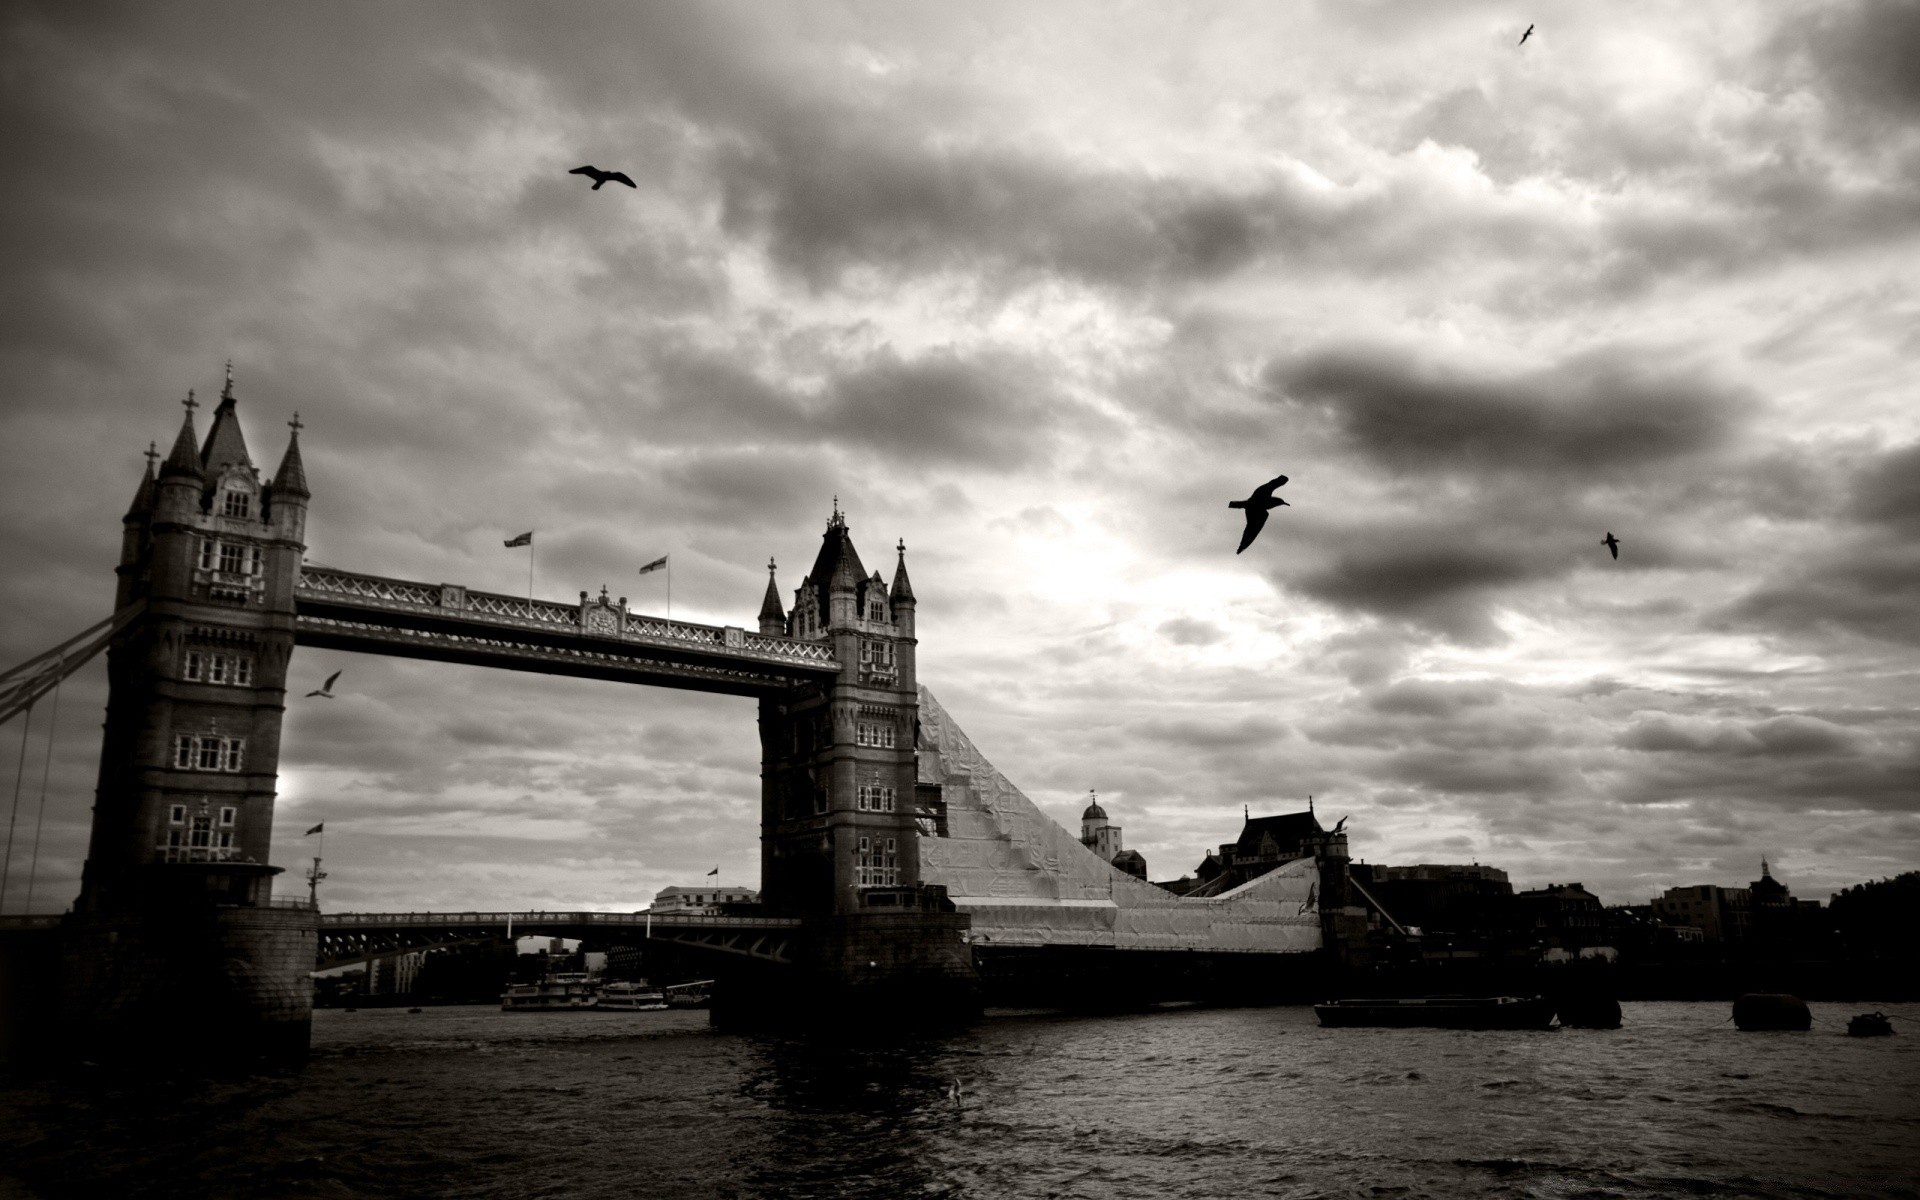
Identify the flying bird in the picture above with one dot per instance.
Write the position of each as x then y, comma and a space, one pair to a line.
326, 689
1258, 505
1612, 543
599, 177
1526, 35
1339, 825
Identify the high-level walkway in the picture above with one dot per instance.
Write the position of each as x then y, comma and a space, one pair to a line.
595, 639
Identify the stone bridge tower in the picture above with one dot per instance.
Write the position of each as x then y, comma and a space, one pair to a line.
174, 938
839, 827
838, 762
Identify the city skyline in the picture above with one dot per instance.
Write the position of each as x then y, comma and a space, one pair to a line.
1038, 293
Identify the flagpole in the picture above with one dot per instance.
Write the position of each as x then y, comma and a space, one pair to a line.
529, 570
669, 587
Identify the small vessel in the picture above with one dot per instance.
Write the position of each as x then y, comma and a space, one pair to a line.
1441, 1012
559, 992
1771, 1011
1873, 1024
631, 996
695, 994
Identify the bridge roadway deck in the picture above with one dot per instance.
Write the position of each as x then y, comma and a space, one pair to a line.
356, 937
597, 639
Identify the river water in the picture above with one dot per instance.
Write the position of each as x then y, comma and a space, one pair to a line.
472, 1102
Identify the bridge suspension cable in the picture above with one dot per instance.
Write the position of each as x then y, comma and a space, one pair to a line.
22, 685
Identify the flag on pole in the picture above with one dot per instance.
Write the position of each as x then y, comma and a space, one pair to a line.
715, 871
655, 565
525, 539
315, 829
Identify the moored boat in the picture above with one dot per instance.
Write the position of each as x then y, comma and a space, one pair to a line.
1441, 1012
1873, 1024
559, 992
631, 996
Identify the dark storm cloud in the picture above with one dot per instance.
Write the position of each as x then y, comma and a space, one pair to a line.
990, 410
1889, 490
1597, 413
1425, 576
1783, 735
1864, 576
1867, 53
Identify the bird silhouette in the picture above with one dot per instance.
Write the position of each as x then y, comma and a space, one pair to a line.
1339, 825
1526, 35
325, 691
599, 177
1258, 505
1612, 543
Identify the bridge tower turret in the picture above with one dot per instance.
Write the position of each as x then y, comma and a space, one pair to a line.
839, 836
174, 930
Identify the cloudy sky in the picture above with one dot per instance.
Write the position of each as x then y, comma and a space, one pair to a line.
1037, 288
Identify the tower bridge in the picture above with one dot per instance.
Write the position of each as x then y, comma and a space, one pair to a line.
896, 864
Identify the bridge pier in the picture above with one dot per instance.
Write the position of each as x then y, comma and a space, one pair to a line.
187, 983
881, 971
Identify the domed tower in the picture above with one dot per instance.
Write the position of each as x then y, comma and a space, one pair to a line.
1096, 832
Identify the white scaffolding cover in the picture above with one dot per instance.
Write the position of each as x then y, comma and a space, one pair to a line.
1028, 882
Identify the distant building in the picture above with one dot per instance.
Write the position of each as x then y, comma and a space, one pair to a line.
1445, 897
1265, 843
1565, 914
1722, 915
395, 974
1783, 924
695, 900
1102, 836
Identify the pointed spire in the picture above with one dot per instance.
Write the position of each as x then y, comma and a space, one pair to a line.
291, 478
1764, 872
184, 458
143, 498
224, 444
771, 614
902, 590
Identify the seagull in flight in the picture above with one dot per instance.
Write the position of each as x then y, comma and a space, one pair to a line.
1612, 543
1258, 505
1526, 35
599, 177
326, 689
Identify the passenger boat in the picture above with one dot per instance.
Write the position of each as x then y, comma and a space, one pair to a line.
1441, 1012
635, 996
558, 992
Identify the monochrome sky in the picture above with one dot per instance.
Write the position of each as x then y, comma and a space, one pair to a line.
1037, 288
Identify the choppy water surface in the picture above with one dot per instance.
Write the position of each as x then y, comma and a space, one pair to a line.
469, 1102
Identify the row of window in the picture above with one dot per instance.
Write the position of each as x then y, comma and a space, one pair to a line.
236, 503
231, 558
235, 669
877, 865
876, 655
195, 753
196, 838
873, 735
874, 797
